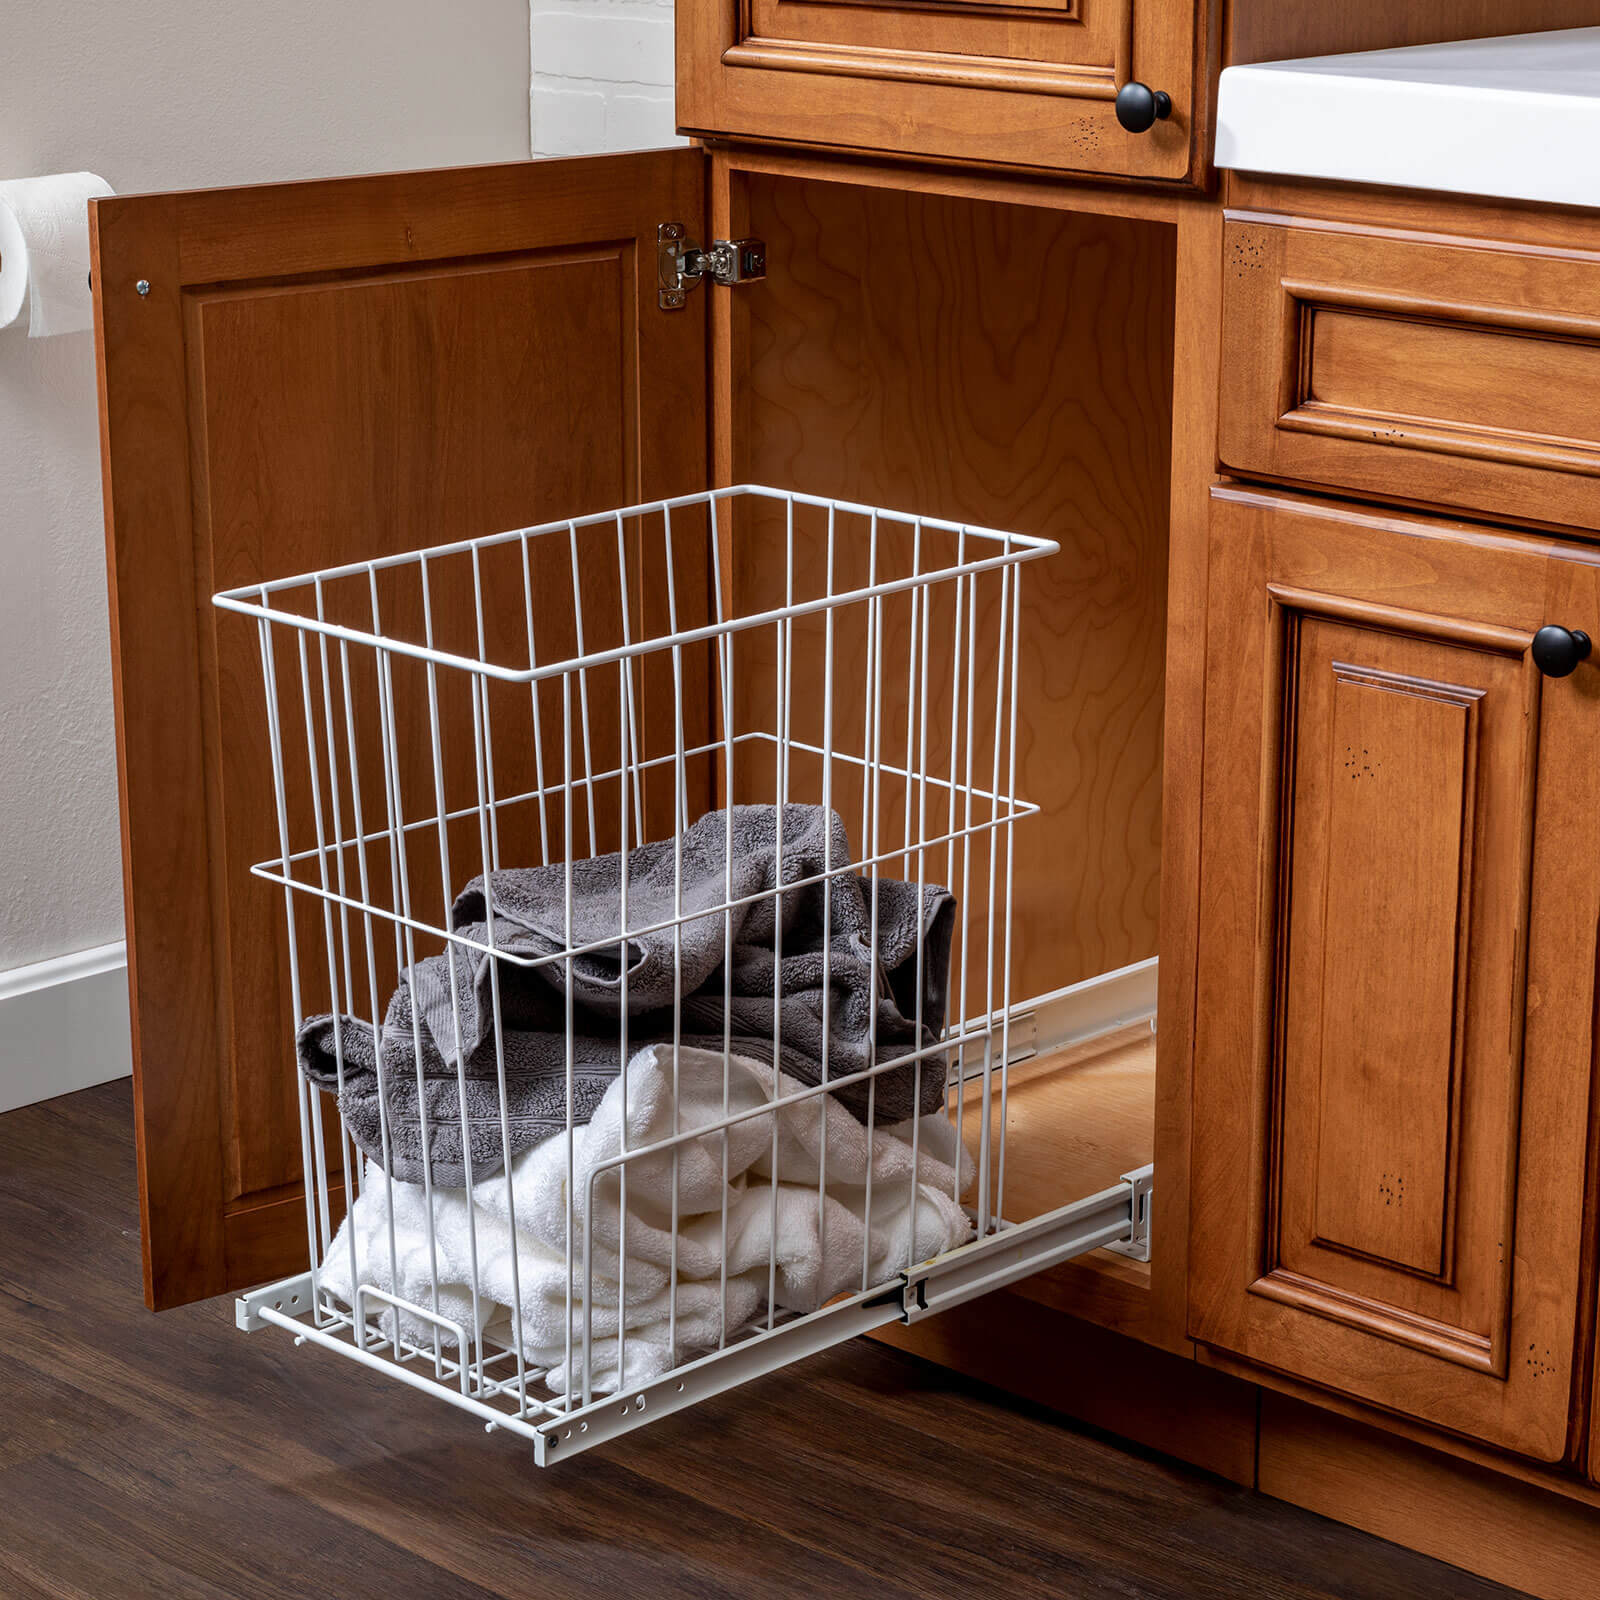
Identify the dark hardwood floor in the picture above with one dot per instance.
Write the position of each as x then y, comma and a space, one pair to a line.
174, 1456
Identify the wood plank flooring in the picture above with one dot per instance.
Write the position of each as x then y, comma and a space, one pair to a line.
173, 1456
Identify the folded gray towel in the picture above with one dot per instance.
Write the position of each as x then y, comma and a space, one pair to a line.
826, 1032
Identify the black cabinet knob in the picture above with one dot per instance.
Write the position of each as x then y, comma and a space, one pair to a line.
1557, 651
1139, 107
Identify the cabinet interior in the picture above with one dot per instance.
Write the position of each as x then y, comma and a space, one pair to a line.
1009, 366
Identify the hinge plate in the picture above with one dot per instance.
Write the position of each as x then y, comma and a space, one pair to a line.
681, 263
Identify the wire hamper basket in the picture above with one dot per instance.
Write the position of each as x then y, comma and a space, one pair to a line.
647, 882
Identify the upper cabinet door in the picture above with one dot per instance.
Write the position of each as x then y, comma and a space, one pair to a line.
293, 377
1025, 83
1400, 890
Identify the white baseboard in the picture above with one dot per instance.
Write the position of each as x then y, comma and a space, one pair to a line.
64, 1025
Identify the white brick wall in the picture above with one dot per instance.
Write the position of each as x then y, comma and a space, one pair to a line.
602, 75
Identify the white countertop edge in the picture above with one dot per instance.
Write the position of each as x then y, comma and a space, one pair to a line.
1510, 144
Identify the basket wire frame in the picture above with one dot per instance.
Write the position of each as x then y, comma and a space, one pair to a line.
745, 645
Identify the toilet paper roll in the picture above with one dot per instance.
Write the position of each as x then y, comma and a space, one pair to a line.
44, 251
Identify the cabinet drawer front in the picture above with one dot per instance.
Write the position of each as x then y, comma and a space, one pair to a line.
1022, 83
1400, 891
1462, 375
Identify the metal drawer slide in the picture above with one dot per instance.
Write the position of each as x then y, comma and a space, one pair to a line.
1116, 1216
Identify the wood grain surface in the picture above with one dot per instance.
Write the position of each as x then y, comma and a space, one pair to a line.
1018, 86
1357, 360
1269, 30
1010, 367
1434, 1268
406, 360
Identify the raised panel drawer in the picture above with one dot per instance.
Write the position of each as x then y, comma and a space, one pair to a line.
1461, 375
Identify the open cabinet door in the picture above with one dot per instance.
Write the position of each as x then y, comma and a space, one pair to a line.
292, 377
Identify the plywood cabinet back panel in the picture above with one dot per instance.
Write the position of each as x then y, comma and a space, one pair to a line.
1011, 367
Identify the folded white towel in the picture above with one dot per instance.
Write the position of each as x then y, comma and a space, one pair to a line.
523, 1271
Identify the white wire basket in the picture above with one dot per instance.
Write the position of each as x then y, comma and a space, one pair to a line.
647, 879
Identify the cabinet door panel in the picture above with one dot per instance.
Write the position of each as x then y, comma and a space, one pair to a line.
322, 373
1404, 867
1016, 82
1400, 889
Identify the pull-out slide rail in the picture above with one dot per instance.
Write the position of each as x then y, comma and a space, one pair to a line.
1118, 1217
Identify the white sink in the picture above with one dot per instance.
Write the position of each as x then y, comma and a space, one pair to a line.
1515, 118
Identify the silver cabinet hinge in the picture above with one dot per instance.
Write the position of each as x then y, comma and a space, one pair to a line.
681, 263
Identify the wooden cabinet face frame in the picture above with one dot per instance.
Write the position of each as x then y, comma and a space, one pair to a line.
1026, 85
1400, 893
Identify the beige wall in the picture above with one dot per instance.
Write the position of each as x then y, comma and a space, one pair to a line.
159, 95
165, 94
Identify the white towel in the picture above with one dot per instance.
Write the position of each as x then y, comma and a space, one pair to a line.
813, 1263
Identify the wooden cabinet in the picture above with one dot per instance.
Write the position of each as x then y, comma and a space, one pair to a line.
328, 372
1400, 889
1026, 83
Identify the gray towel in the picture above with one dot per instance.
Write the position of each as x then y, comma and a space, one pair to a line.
456, 1022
